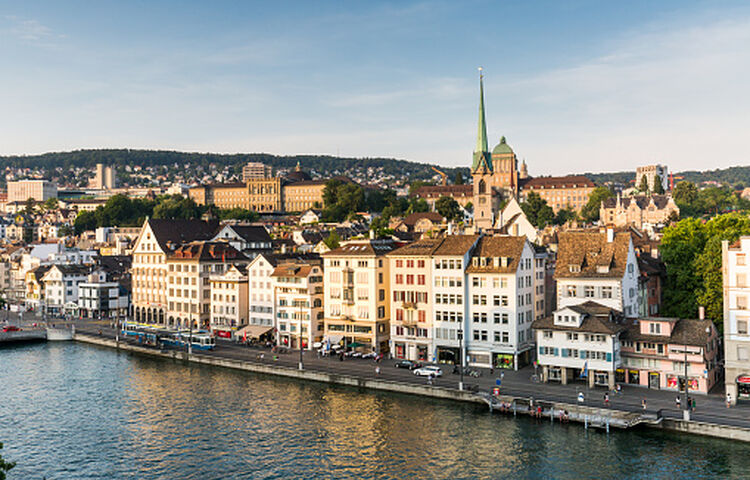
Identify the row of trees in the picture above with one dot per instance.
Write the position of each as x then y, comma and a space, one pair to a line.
123, 211
708, 201
691, 250
540, 214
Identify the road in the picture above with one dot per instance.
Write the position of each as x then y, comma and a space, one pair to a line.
709, 408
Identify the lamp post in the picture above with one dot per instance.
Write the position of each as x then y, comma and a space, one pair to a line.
301, 364
190, 336
460, 336
686, 411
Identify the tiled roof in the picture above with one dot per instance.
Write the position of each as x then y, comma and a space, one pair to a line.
588, 254
569, 181
292, 270
411, 219
500, 246
206, 251
419, 248
456, 245
597, 319
437, 191
687, 331
178, 232
252, 233
643, 201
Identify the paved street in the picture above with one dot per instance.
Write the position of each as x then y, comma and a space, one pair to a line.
709, 408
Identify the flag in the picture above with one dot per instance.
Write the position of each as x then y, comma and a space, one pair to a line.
585, 372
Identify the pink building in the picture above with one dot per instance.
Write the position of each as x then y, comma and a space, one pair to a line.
654, 351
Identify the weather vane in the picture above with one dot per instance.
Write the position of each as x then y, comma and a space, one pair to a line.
480, 71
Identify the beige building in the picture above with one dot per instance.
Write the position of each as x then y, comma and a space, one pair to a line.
256, 170
571, 191
357, 306
736, 272
640, 211
104, 178
298, 294
652, 172
190, 267
39, 190
158, 239
229, 305
303, 195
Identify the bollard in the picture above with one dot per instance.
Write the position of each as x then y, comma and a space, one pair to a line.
514, 408
551, 414
607, 424
586, 422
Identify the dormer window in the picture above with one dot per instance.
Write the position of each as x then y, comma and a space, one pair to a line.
574, 268
602, 269
655, 328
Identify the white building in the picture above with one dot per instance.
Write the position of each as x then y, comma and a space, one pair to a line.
580, 342
248, 239
39, 190
260, 291
100, 299
61, 284
597, 266
500, 280
736, 272
651, 172
229, 300
298, 292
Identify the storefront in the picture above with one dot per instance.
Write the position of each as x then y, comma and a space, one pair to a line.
554, 374
399, 350
743, 387
601, 378
449, 355
677, 382
422, 353
620, 375
654, 380
634, 377
503, 360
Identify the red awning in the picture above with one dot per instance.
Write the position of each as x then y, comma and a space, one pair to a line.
744, 379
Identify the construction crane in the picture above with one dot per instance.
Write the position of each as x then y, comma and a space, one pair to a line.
444, 180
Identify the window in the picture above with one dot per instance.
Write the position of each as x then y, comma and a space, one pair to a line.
496, 300
506, 337
740, 259
399, 263
588, 291
399, 279
420, 278
505, 318
570, 291
741, 280
655, 328
420, 263
606, 292
547, 334
742, 327
741, 302
410, 279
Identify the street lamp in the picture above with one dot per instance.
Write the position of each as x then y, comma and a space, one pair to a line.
686, 411
190, 337
301, 365
460, 336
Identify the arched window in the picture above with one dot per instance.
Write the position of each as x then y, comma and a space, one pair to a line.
482, 186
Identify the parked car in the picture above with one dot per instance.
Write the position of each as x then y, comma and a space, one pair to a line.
11, 328
407, 364
428, 370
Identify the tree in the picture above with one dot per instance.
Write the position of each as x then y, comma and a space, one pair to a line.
685, 193
590, 211
30, 206
51, 204
84, 221
537, 211
333, 240
5, 466
564, 215
417, 205
177, 207
658, 187
448, 208
643, 187
65, 230
330, 192
239, 214
469, 207
459, 178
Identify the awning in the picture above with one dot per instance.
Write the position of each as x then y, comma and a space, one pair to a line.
743, 379
253, 331
334, 338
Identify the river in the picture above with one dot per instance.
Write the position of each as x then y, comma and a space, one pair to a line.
75, 411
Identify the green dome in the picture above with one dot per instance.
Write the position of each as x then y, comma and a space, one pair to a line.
502, 147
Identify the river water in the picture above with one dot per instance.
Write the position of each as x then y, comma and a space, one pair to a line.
74, 411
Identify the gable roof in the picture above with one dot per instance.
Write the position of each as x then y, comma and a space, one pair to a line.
177, 232
568, 181
206, 251
642, 201
498, 246
251, 233
591, 255
411, 219
597, 318
367, 248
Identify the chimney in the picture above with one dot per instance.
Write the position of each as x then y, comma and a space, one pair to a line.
610, 234
372, 234
702, 312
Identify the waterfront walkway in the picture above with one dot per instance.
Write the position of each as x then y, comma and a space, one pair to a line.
709, 408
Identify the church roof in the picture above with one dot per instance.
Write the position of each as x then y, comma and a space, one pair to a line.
481, 154
502, 147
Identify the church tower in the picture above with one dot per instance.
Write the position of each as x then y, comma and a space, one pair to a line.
482, 171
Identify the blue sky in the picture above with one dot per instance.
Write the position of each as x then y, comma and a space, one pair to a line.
574, 86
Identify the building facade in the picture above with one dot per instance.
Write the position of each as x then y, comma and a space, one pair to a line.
652, 173
256, 170
640, 211
298, 294
39, 190
357, 307
735, 274
229, 307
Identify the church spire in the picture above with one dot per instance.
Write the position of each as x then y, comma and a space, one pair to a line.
481, 153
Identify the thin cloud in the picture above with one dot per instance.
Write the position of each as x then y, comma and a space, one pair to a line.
31, 31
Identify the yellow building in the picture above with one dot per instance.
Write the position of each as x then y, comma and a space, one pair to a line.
571, 191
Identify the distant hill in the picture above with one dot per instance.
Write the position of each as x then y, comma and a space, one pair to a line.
321, 164
731, 176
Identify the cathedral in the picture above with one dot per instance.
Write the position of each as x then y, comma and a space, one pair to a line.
495, 174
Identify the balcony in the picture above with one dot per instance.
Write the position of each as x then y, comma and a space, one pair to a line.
409, 305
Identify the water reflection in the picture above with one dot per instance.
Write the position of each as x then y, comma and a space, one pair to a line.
76, 411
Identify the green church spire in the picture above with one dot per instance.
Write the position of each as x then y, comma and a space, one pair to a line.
481, 153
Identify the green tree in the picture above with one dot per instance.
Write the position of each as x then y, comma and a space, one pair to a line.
537, 211
658, 187
65, 231
330, 192
417, 205
333, 240
459, 180
713, 200
5, 466
239, 214
643, 187
177, 207
448, 208
565, 215
30, 206
590, 211
469, 207
51, 204
84, 221
685, 193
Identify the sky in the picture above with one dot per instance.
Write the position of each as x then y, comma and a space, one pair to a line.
575, 86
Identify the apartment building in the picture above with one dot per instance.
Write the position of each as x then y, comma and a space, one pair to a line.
102, 299
189, 270
411, 300
735, 273
61, 284
38, 190
450, 294
500, 296
357, 307
261, 292
229, 307
157, 239
600, 267
298, 294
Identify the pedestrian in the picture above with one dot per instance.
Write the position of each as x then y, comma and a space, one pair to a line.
618, 387
429, 379
677, 401
377, 370
502, 375
606, 399
692, 404
643, 404
729, 400
580, 397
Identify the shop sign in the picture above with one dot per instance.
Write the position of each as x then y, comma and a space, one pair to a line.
744, 379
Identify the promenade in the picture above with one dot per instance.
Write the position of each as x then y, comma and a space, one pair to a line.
709, 408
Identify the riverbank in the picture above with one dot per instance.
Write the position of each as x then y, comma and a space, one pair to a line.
587, 415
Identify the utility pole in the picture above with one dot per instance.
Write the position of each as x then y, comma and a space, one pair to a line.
460, 335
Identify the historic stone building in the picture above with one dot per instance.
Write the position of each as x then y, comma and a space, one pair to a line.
640, 211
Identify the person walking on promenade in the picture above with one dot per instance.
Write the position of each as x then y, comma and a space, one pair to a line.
377, 371
643, 404
606, 399
677, 401
429, 379
729, 400
692, 404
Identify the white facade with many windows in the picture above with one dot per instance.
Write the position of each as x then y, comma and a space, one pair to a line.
260, 292
736, 278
